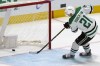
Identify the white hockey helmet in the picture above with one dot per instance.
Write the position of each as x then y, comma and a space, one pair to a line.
70, 10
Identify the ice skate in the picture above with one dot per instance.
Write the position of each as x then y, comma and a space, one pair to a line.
68, 56
83, 54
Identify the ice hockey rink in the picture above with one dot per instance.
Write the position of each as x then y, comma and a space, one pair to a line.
60, 46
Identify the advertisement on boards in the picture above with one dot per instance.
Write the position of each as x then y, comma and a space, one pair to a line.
5, 1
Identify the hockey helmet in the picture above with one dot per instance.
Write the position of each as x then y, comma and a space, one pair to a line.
70, 10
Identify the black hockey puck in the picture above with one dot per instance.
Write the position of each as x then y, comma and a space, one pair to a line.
13, 49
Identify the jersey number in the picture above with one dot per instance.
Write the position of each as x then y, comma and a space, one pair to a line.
85, 21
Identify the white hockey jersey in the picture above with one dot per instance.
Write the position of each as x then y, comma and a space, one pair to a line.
81, 21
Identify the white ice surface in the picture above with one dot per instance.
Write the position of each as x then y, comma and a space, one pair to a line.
60, 46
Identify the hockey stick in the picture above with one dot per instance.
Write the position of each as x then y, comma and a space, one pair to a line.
46, 44
51, 40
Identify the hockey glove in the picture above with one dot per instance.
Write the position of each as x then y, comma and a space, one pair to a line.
66, 25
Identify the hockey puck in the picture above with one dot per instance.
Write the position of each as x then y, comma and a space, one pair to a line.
13, 49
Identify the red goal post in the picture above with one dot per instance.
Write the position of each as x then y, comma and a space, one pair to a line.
29, 3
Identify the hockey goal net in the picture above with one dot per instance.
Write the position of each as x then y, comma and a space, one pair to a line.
29, 21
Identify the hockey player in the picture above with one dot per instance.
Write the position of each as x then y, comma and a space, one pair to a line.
79, 20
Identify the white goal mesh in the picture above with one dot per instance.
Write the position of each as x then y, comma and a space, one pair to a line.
30, 21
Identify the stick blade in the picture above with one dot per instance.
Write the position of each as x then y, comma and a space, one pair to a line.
30, 52
38, 52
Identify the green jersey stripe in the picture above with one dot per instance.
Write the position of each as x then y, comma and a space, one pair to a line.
72, 18
93, 31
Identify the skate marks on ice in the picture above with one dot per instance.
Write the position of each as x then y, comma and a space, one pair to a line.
94, 60
49, 58
86, 61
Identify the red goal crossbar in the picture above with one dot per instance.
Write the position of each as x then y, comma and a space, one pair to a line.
32, 3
